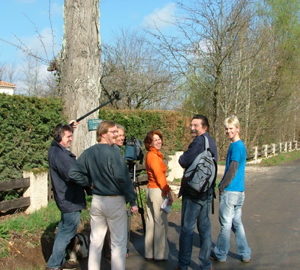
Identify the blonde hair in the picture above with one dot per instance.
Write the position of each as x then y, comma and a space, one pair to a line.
232, 120
103, 128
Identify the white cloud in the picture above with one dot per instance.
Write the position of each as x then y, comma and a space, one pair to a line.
160, 18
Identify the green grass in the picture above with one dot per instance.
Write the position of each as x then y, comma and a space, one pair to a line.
41, 221
37, 221
280, 159
176, 181
4, 250
176, 206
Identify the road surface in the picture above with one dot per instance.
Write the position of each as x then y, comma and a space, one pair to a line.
271, 219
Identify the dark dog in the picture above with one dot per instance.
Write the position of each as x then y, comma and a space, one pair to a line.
79, 247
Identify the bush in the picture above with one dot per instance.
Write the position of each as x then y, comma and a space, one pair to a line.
137, 123
26, 125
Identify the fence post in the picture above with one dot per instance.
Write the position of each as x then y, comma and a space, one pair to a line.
274, 149
280, 147
255, 152
38, 190
285, 146
266, 150
290, 146
296, 145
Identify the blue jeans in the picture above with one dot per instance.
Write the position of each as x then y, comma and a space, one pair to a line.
67, 229
195, 212
230, 217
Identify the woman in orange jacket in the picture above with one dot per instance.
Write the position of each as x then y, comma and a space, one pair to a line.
156, 244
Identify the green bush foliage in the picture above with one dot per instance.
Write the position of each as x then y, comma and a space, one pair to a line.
26, 125
137, 123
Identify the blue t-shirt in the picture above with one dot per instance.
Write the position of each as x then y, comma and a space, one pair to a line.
237, 152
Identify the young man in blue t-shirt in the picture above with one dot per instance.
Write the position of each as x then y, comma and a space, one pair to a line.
232, 196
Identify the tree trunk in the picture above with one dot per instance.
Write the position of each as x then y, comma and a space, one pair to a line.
80, 67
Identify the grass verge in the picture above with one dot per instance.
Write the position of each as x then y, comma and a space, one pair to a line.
36, 223
280, 159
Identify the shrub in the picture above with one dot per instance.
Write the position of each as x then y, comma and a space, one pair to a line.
26, 124
137, 123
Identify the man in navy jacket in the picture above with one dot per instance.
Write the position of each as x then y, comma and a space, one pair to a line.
69, 197
195, 205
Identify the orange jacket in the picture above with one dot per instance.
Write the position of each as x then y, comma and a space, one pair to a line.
156, 170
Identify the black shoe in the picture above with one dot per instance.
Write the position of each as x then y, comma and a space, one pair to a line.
160, 260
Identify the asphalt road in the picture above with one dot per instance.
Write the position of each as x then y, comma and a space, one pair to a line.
271, 219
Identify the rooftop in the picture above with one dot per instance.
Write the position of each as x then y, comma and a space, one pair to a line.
7, 84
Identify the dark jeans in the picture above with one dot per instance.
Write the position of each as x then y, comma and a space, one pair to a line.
67, 229
195, 212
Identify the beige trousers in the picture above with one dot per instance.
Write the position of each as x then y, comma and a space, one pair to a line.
156, 243
108, 212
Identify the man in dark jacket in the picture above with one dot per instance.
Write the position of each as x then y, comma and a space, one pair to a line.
69, 197
195, 205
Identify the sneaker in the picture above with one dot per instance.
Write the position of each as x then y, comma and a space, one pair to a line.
215, 258
55, 268
246, 260
70, 265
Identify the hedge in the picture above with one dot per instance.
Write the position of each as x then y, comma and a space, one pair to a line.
137, 123
26, 125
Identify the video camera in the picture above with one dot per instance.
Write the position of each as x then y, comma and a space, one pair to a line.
133, 155
133, 150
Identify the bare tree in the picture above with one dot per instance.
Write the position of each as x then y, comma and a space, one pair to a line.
34, 79
208, 35
132, 67
7, 72
79, 66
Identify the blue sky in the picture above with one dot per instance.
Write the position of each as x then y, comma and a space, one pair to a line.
24, 20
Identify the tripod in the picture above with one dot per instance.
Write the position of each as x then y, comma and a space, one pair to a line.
137, 184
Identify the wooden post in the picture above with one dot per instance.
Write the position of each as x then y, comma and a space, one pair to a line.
290, 146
